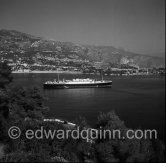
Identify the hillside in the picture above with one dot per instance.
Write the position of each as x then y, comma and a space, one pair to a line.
16, 46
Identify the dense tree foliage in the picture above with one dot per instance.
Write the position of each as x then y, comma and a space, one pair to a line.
24, 108
125, 150
5, 74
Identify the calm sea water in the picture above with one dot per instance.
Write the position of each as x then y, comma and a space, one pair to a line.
138, 101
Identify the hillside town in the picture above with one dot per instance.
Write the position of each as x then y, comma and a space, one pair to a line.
30, 54
47, 61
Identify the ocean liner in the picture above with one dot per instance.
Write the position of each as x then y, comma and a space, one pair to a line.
77, 83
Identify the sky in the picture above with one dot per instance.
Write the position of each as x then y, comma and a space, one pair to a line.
134, 25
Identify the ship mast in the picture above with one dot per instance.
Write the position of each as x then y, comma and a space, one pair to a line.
58, 77
101, 74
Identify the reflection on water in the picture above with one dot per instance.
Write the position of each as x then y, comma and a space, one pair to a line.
139, 101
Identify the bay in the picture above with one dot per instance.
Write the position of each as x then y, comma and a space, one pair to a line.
138, 100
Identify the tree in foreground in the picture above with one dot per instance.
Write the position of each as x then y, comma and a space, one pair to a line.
125, 150
5, 74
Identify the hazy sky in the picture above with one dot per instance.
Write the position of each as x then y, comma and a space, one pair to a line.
135, 25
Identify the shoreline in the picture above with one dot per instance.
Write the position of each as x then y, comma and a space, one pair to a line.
35, 72
81, 73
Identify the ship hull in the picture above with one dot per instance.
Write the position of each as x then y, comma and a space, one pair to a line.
80, 85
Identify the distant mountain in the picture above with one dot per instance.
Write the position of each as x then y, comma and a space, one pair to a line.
115, 56
161, 54
13, 42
